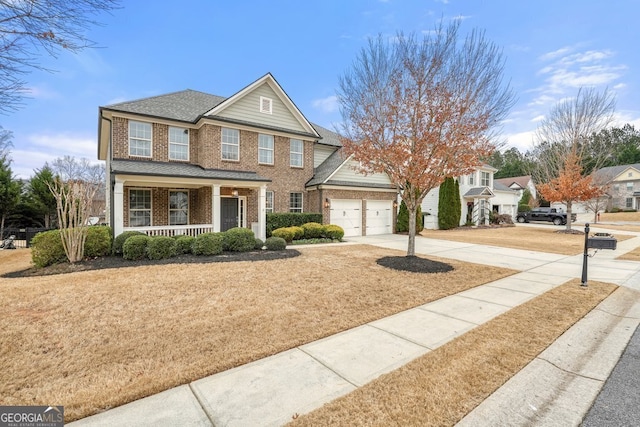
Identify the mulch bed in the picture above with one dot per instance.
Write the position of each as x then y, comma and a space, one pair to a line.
119, 262
414, 264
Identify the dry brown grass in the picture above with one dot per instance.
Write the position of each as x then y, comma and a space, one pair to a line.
98, 339
618, 227
620, 216
441, 387
527, 238
634, 255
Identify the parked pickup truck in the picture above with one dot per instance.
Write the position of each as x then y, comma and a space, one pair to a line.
545, 214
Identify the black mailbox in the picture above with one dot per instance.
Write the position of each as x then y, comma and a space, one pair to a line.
602, 242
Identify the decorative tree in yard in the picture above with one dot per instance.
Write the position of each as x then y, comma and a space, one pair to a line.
563, 148
74, 189
421, 110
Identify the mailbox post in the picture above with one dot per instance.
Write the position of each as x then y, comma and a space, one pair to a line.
599, 241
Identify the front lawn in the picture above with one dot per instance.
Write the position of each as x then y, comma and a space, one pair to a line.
92, 340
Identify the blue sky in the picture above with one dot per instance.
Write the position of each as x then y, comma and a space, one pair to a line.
551, 48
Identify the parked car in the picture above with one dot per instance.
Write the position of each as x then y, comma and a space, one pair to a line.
545, 214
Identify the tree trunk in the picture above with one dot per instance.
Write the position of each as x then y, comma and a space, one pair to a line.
569, 209
411, 249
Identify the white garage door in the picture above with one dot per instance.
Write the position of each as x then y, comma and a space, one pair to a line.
379, 217
348, 215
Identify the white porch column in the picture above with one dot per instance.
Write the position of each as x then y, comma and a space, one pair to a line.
118, 207
262, 213
215, 207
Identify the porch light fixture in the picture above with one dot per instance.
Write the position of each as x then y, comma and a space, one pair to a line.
327, 203
234, 192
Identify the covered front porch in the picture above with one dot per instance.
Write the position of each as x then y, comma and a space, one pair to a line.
183, 205
478, 205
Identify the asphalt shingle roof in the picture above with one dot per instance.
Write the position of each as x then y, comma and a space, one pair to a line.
184, 170
614, 171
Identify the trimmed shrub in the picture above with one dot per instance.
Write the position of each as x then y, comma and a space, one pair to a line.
118, 242
312, 230
289, 219
334, 232
207, 244
238, 239
275, 243
47, 249
183, 244
161, 247
298, 232
285, 233
524, 208
447, 205
259, 244
135, 247
98, 242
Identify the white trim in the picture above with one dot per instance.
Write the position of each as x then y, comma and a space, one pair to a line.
242, 210
272, 149
222, 143
351, 188
188, 144
338, 168
301, 200
150, 190
301, 153
140, 139
273, 195
215, 208
267, 78
262, 213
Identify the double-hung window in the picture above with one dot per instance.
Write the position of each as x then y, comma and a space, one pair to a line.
178, 207
297, 153
269, 201
230, 144
629, 186
484, 179
139, 208
178, 143
629, 203
139, 139
472, 179
295, 202
265, 149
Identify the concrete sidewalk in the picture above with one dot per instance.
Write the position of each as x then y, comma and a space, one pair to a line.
269, 392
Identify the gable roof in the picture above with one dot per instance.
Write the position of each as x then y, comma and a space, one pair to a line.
613, 172
522, 181
479, 191
498, 186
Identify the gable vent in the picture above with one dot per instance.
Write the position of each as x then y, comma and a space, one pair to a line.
265, 105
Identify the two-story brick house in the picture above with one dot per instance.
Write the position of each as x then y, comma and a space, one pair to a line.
189, 162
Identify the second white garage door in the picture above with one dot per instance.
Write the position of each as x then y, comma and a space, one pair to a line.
348, 215
379, 217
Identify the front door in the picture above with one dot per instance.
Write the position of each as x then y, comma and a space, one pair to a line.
229, 213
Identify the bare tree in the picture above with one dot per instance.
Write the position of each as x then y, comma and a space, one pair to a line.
75, 187
422, 110
6, 142
562, 147
28, 27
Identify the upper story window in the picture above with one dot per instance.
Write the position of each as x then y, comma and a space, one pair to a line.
461, 180
230, 144
178, 143
295, 202
139, 139
266, 105
139, 208
472, 179
630, 174
485, 179
265, 149
179, 207
629, 186
269, 201
296, 153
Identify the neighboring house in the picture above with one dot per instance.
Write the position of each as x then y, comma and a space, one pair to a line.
189, 162
480, 194
624, 185
520, 183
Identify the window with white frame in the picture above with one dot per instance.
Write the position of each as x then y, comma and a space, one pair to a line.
265, 149
230, 144
616, 187
296, 153
266, 105
472, 179
295, 202
461, 180
139, 139
485, 179
139, 208
178, 143
629, 202
269, 201
178, 207
630, 186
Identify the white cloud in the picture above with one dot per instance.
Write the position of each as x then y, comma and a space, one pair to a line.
41, 148
523, 141
326, 105
41, 92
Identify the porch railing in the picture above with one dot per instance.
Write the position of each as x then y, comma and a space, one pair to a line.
173, 230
